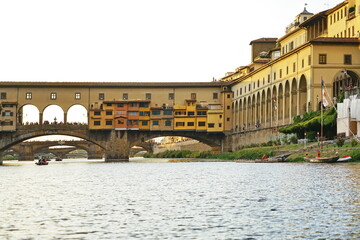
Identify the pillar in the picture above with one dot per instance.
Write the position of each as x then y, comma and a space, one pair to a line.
1, 157
95, 152
117, 147
40, 118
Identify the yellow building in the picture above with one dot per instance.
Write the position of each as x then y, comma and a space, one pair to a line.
323, 46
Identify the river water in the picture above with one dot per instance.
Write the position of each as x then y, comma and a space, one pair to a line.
182, 200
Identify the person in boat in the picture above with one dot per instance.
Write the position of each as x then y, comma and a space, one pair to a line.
283, 158
264, 157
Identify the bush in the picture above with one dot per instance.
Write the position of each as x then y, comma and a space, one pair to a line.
340, 142
353, 142
293, 140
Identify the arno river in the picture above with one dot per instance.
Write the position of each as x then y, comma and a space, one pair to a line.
183, 200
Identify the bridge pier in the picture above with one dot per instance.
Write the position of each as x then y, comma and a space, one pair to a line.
1, 157
117, 147
95, 152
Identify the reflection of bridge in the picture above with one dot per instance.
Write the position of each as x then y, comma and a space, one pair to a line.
115, 144
27, 150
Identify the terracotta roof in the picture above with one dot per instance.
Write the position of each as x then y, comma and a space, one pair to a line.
113, 84
263, 40
336, 40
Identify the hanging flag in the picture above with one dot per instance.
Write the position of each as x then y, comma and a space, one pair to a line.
324, 100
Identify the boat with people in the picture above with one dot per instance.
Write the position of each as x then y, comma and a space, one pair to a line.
42, 161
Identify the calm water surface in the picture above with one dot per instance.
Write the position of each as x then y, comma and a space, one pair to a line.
193, 200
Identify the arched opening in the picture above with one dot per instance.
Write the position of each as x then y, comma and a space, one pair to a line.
245, 114
268, 108
281, 104
77, 114
287, 102
345, 80
263, 112
249, 110
275, 105
253, 107
302, 95
258, 105
241, 120
171, 145
53, 114
236, 122
294, 98
28, 115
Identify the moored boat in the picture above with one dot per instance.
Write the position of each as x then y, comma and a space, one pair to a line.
344, 159
321, 159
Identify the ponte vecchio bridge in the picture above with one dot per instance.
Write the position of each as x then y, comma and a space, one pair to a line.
119, 115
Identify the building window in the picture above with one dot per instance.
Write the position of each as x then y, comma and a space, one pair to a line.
53, 96
155, 112
144, 113
155, 123
3, 95
193, 96
309, 60
201, 113
227, 107
167, 122
148, 96
191, 113
77, 96
97, 113
125, 96
191, 124
294, 66
215, 95
108, 104
144, 105
7, 114
302, 63
133, 105
108, 113
101, 96
108, 122
347, 59
287, 70
180, 124
211, 125
28, 96
220, 125
144, 123
280, 73
322, 58
167, 112
274, 76
171, 96
228, 119
228, 96
201, 124
131, 113
96, 123
268, 78
120, 105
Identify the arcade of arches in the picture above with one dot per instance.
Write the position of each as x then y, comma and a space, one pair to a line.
279, 103
273, 106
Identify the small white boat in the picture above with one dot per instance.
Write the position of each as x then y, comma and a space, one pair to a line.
344, 159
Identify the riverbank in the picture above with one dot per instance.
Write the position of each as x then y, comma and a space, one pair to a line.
297, 153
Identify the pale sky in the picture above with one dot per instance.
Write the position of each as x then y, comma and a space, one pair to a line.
137, 40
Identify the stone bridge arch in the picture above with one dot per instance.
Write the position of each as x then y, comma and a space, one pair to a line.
215, 141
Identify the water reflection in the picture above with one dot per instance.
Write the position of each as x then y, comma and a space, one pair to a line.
190, 200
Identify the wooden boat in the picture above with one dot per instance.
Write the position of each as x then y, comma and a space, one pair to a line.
58, 159
321, 159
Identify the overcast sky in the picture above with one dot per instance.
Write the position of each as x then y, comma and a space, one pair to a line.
136, 40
